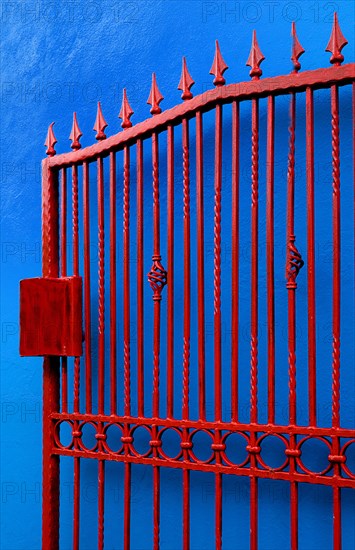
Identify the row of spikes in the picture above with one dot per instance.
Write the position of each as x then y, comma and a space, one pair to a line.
336, 43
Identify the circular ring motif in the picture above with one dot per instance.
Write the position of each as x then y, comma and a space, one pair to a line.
141, 441
113, 439
65, 426
89, 432
267, 438
300, 460
345, 465
167, 431
226, 454
201, 445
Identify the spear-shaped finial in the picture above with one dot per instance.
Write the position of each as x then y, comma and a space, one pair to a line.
126, 112
100, 123
75, 134
255, 58
297, 49
155, 97
336, 43
50, 141
186, 81
218, 67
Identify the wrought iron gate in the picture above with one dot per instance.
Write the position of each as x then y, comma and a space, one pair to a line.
127, 387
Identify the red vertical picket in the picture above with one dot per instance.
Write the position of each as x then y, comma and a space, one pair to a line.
235, 263
200, 268
270, 269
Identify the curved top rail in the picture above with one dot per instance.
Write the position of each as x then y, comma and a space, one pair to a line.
316, 79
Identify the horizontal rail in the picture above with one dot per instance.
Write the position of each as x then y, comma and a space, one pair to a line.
225, 469
205, 424
277, 85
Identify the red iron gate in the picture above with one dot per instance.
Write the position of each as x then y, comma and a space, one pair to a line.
116, 290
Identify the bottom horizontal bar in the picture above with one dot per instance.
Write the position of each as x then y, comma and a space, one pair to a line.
335, 481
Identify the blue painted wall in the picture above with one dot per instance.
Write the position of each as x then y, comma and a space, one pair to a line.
65, 56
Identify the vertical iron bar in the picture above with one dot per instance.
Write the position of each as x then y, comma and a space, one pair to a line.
217, 309
156, 344
127, 507
63, 270
200, 267
126, 284
101, 341
235, 261
217, 264
76, 507
101, 502
291, 286
140, 334
101, 286
51, 386
270, 269
170, 267
254, 321
187, 321
87, 301
311, 259
113, 296
126, 334
337, 539
187, 269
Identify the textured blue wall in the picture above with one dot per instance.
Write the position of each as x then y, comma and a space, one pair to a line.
58, 57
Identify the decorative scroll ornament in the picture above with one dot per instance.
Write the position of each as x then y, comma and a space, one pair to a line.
186, 81
75, 134
255, 58
155, 97
126, 111
157, 277
50, 141
218, 67
336, 43
294, 263
297, 49
100, 124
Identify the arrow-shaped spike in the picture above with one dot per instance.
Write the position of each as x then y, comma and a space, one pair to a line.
218, 67
50, 141
126, 112
75, 134
336, 43
255, 58
100, 123
297, 49
155, 97
185, 81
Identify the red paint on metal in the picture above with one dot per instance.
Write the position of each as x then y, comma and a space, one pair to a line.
50, 316
126, 111
170, 267
255, 58
113, 286
200, 268
100, 124
140, 303
75, 134
186, 81
87, 296
235, 262
155, 97
219, 66
336, 43
270, 268
297, 49
50, 141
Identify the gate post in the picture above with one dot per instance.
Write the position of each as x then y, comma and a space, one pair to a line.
50, 268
